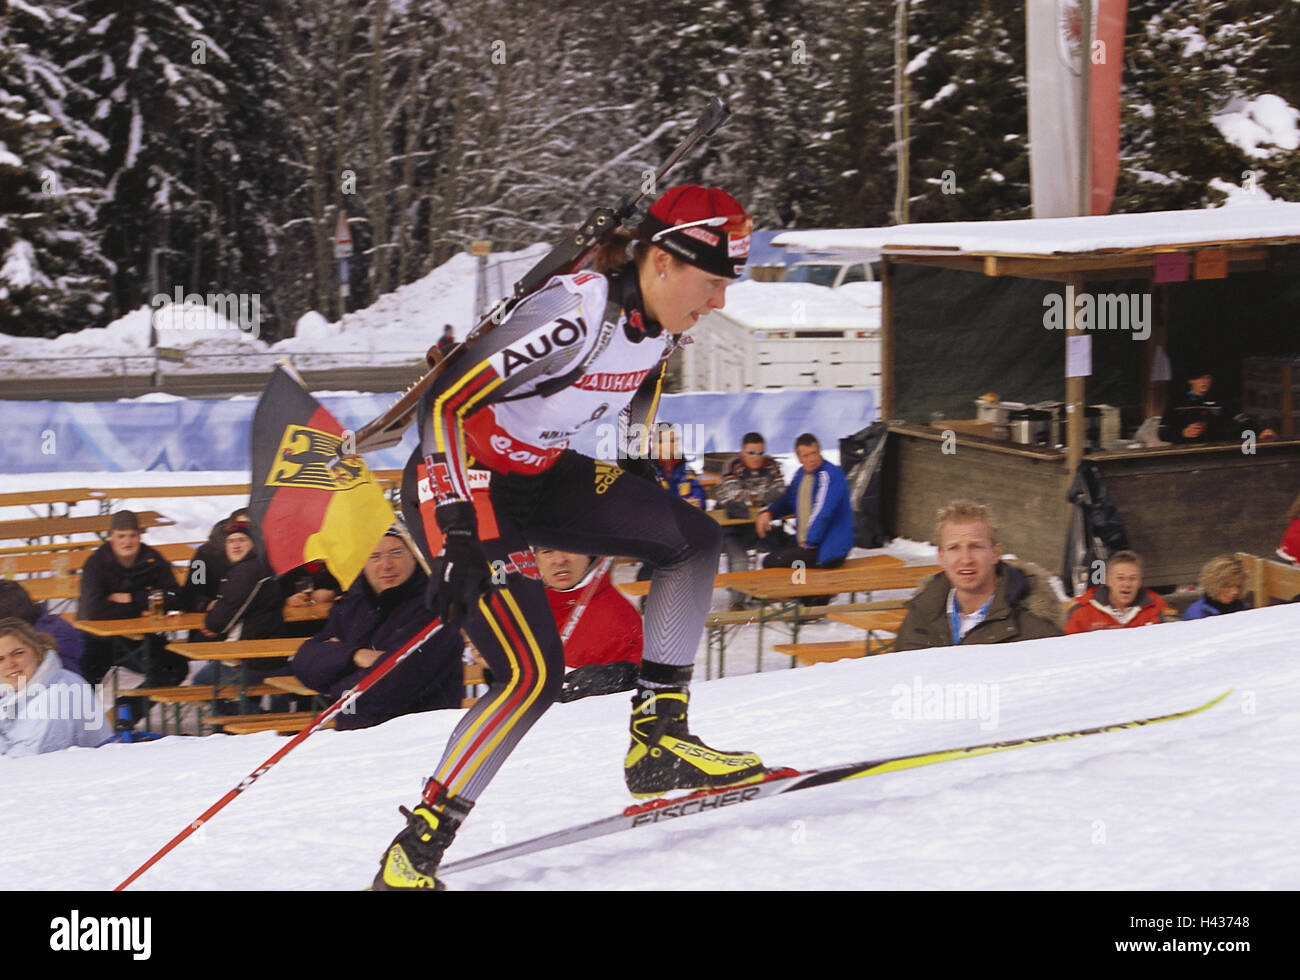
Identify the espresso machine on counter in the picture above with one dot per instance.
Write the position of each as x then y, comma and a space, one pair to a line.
1044, 423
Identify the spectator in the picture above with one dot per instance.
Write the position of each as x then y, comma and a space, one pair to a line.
752, 479
602, 639
448, 339
818, 496
978, 597
672, 473
43, 708
208, 566
1198, 418
1223, 579
1289, 549
249, 604
1122, 601
671, 470
378, 615
115, 584
307, 585
14, 601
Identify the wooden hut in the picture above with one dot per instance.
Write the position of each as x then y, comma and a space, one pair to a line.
976, 307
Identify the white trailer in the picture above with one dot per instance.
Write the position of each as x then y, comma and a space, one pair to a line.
784, 335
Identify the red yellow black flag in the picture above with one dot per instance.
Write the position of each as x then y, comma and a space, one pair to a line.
309, 499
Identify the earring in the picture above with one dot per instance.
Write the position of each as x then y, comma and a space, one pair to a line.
662, 276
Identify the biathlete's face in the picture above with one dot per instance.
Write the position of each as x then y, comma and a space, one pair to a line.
683, 295
561, 569
17, 663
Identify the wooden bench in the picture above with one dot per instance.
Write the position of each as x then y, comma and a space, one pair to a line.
179, 696
717, 623
1267, 579
48, 527
288, 723
820, 653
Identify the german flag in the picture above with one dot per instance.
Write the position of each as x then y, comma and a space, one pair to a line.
309, 498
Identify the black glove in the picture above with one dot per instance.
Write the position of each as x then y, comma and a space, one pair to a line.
459, 575
736, 509
621, 675
638, 466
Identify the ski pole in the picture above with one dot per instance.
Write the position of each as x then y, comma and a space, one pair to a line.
322, 719
584, 600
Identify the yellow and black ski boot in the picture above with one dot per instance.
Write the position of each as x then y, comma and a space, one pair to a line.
664, 755
412, 859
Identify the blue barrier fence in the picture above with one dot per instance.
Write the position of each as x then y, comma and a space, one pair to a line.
42, 437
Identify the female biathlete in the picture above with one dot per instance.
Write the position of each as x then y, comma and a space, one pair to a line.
495, 477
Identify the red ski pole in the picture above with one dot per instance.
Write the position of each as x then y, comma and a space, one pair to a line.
322, 719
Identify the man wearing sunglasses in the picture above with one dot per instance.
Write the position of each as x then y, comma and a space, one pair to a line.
751, 480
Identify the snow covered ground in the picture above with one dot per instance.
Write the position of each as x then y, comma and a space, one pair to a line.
220, 336
1202, 803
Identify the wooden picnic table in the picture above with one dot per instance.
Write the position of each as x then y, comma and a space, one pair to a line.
817, 582
299, 614
820, 581
723, 580
35, 498
48, 527
888, 620
139, 625
226, 652
71, 560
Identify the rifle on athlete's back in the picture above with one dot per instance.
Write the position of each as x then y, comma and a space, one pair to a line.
564, 258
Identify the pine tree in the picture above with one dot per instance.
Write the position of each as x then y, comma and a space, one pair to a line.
51, 267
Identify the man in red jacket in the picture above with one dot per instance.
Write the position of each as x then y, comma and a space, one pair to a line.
600, 629
1120, 602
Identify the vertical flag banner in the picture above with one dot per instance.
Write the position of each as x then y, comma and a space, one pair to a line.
309, 501
1054, 46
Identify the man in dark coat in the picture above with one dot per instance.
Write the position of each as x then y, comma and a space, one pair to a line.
751, 480
382, 610
115, 584
1198, 417
978, 597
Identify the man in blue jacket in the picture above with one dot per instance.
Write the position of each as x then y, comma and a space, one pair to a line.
818, 497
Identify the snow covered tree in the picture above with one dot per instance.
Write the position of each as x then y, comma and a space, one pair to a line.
1188, 68
159, 106
51, 266
968, 122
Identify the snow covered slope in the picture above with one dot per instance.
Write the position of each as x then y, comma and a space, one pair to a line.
1202, 803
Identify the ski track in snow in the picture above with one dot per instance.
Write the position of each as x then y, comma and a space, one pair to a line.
1203, 802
